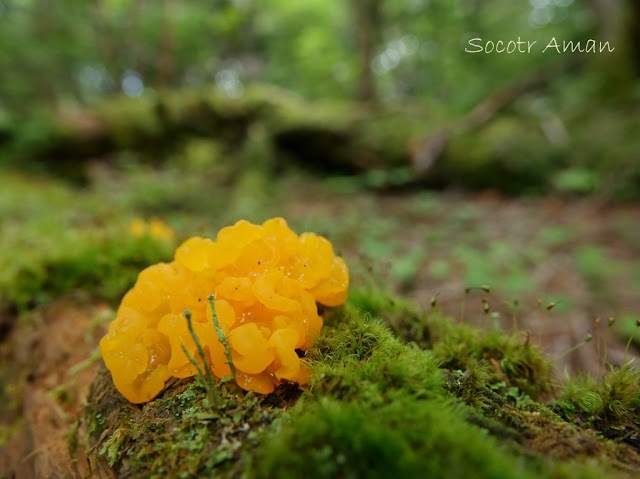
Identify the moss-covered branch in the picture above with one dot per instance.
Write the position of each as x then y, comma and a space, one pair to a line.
376, 407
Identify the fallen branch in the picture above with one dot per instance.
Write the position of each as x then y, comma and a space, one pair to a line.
433, 146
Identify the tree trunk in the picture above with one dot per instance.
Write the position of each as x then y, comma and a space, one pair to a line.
108, 47
368, 25
608, 16
166, 55
634, 34
618, 22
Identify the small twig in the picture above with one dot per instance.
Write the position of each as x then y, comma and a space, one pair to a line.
193, 361
626, 350
221, 336
501, 375
514, 315
464, 304
205, 363
487, 309
587, 339
610, 324
93, 358
434, 303
210, 386
547, 314
463, 307
598, 321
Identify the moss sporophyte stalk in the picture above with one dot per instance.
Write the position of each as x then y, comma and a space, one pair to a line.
262, 283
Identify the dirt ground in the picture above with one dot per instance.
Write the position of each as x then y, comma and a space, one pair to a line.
49, 367
611, 289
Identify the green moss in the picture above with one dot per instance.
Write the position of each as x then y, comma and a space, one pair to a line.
509, 357
611, 406
49, 249
358, 358
381, 408
130, 120
403, 317
402, 438
179, 431
376, 406
106, 267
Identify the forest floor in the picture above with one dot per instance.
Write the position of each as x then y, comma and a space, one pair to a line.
565, 261
579, 255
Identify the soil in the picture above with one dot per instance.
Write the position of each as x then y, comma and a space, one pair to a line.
615, 229
40, 361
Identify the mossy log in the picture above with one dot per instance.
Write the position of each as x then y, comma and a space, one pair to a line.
376, 407
344, 138
496, 146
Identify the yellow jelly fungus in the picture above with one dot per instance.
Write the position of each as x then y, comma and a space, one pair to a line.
137, 227
155, 228
267, 282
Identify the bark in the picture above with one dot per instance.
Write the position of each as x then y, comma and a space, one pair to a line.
105, 40
367, 31
634, 34
166, 56
618, 22
426, 156
608, 16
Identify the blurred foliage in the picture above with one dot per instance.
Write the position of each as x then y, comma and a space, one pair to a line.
577, 135
50, 248
176, 84
108, 46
